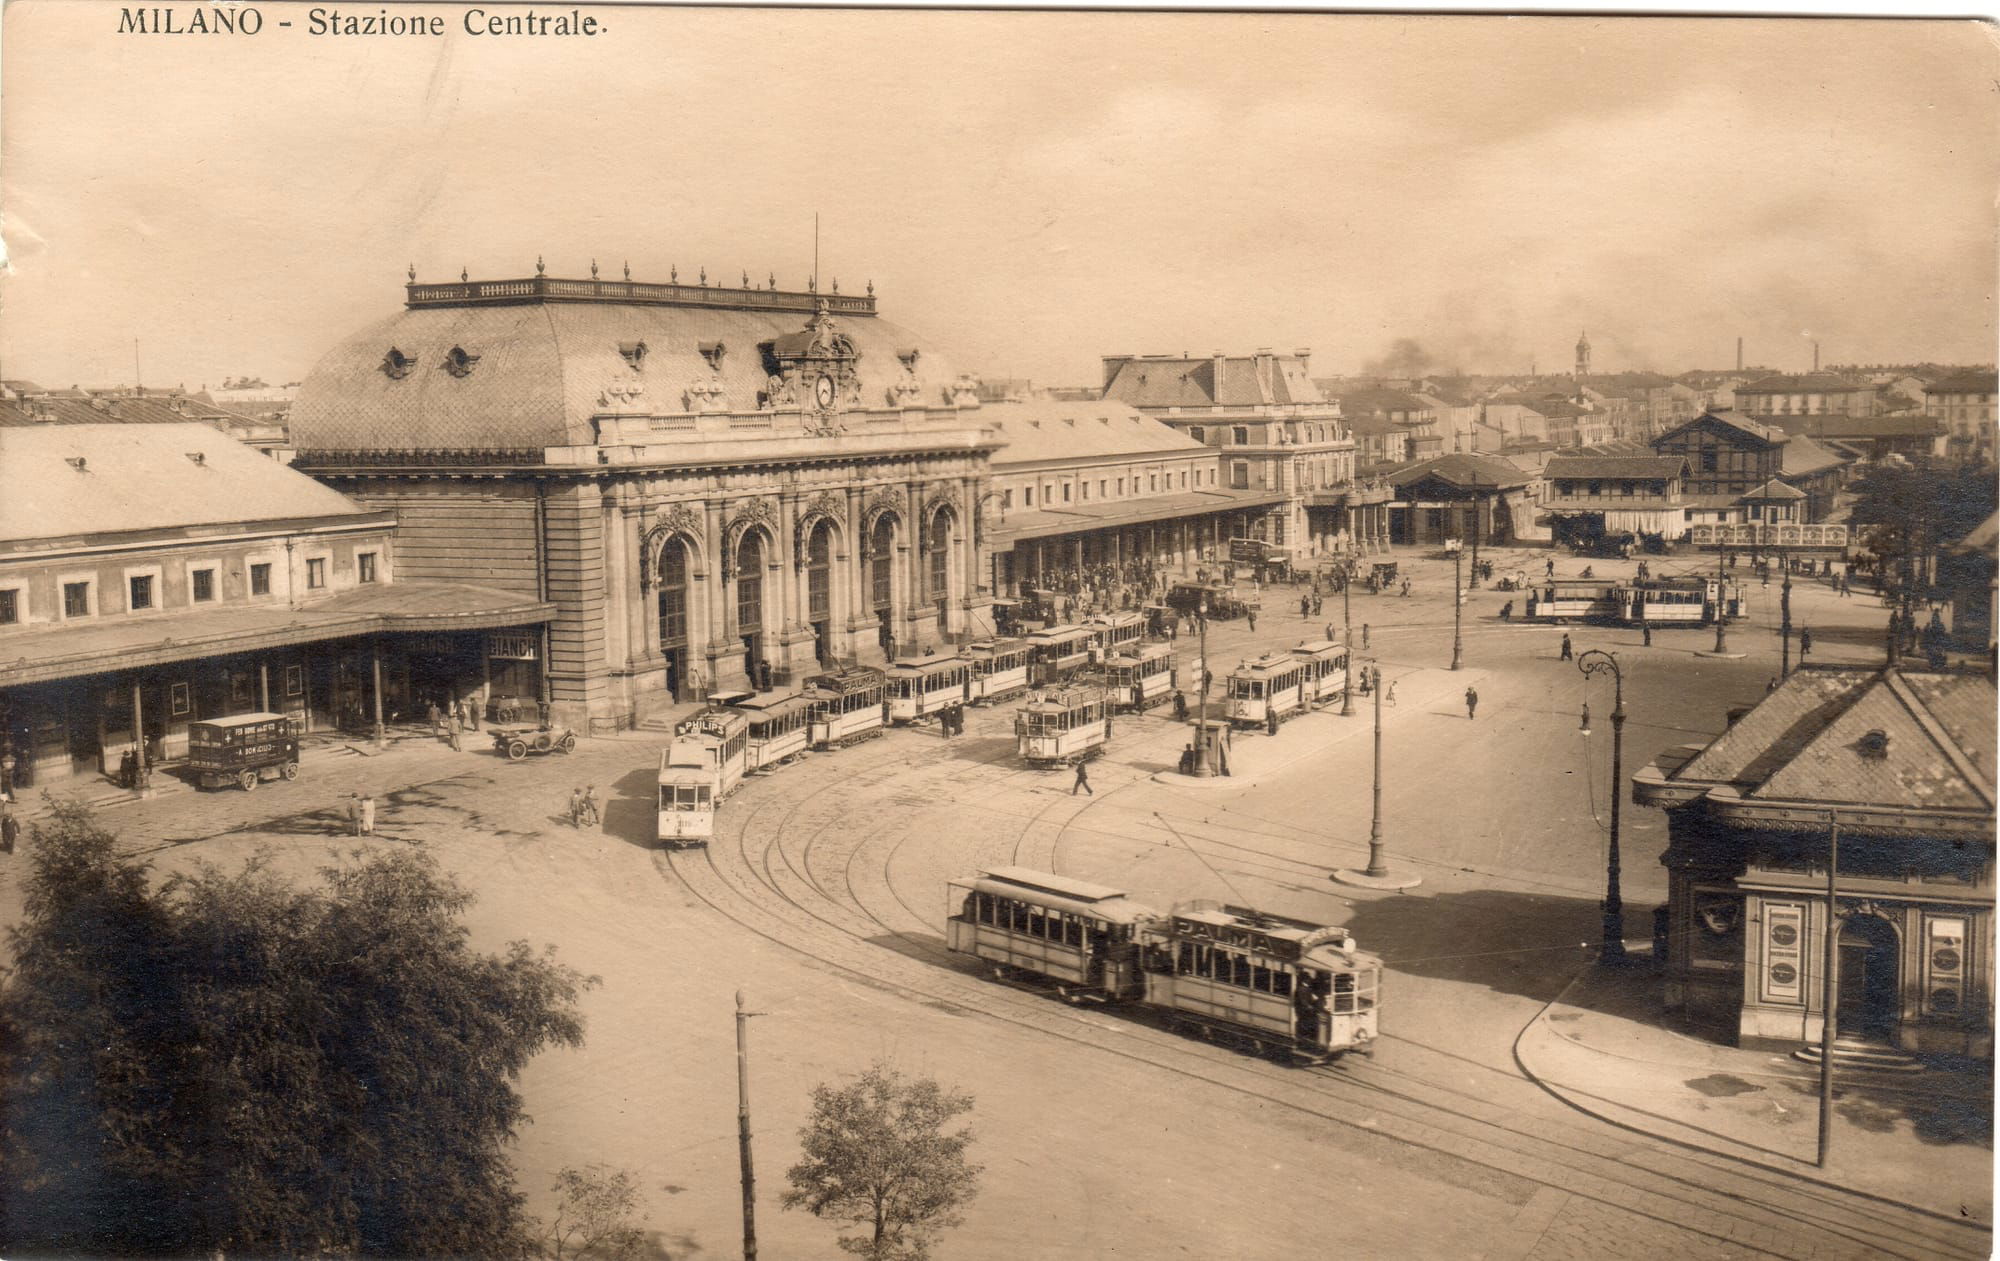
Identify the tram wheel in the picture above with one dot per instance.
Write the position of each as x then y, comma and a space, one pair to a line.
291, 770
247, 780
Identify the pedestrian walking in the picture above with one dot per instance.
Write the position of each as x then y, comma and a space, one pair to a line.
1180, 707
367, 814
1507, 611
1568, 653
576, 807
1646, 630
1329, 633
1364, 635
354, 814
1805, 642
1406, 588
1471, 703
1389, 697
10, 830
542, 707
1305, 607
1549, 570
1252, 615
437, 721
1271, 722
1082, 781
590, 804
452, 728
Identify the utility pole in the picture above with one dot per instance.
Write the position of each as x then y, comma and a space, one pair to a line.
1827, 1015
1377, 875
1347, 639
743, 1129
1202, 770
1457, 606
1785, 622
1721, 596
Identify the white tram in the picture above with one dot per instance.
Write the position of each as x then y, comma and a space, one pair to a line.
779, 727
687, 795
1140, 676
1081, 936
1686, 601
843, 706
1325, 664
921, 686
1572, 599
1063, 725
1266, 691
720, 738
1269, 982
1058, 652
999, 668
1116, 631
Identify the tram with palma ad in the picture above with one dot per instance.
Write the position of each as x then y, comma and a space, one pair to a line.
844, 706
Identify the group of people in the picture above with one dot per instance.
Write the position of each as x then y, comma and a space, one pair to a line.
450, 722
583, 806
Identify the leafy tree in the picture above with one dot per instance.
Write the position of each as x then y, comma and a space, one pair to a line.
878, 1154
594, 1208
1913, 508
231, 1062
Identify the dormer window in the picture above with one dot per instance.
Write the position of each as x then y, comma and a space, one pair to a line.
909, 359
634, 354
459, 362
396, 365
1873, 744
712, 353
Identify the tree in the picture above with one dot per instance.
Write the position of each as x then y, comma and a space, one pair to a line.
594, 1208
230, 1062
877, 1153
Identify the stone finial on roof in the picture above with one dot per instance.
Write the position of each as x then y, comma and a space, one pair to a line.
771, 280
539, 268
836, 284
673, 274
593, 269
871, 287
703, 282
628, 269
413, 273
465, 274
812, 284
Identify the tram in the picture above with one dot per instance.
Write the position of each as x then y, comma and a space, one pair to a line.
1685, 601
999, 668
1325, 664
844, 706
687, 796
720, 739
1266, 982
1572, 599
1265, 692
922, 686
1058, 652
1272, 983
1060, 726
779, 727
1140, 676
1115, 631
1083, 937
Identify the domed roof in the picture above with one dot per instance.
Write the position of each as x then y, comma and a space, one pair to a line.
522, 365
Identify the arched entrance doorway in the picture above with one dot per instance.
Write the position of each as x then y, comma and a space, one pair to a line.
750, 603
1870, 995
882, 581
819, 591
673, 615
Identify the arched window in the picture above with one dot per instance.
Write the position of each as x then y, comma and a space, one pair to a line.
881, 563
750, 583
937, 562
819, 574
673, 595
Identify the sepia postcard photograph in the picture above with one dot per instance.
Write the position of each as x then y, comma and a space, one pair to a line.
624, 630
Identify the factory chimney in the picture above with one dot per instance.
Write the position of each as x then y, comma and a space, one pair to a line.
1739, 354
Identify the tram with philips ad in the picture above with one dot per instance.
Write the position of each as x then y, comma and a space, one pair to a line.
1288, 988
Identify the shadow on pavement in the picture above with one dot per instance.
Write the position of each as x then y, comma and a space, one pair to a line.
1514, 943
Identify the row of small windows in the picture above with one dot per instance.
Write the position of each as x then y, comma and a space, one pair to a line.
141, 590
1228, 968
1104, 488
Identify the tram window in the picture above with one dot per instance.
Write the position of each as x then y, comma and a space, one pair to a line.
1073, 932
1260, 978
1242, 972
1186, 963
1281, 984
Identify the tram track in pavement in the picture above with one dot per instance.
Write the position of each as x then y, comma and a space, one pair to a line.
851, 940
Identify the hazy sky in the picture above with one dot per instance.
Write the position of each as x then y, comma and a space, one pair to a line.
1029, 190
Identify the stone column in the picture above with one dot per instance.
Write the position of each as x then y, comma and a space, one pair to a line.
919, 617
855, 578
792, 577
716, 595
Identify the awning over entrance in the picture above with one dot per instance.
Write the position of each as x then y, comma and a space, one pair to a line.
71, 650
1032, 523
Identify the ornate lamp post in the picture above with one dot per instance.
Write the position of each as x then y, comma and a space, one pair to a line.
1347, 639
1377, 876
1202, 769
1785, 621
1457, 604
1597, 661
1721, 600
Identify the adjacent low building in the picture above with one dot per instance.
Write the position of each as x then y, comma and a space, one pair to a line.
1901, 763
1460, 497
1966, 406
153, 575
1591, 498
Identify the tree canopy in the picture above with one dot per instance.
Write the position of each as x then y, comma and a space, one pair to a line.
230, 1062
878, 1154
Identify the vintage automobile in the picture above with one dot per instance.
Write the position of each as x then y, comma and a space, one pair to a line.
1221, 600
518, 739
242, 750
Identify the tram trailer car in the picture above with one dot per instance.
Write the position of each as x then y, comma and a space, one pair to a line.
723, 737
1228, 973
1141, 676
1061, 726
1325, 665
1271, 686
778, 727
1116, 631
1572, 600
999, 668
687, 795
844, 706
1274, 984
1056, 653
1686, 601
1081, 936
919, 687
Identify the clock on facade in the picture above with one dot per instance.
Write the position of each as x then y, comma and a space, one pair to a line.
823, 391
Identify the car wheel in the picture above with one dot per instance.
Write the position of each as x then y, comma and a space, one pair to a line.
247, 780
291, 770
517, 750
568, 743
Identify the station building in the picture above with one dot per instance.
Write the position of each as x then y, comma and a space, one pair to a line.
1901, 763
705, 482
157, 574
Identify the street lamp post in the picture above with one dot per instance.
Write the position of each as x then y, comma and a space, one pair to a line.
1785, 623
1201, 767
1721, 601
1377, 875
1347, 640
1597, 661
1457, 604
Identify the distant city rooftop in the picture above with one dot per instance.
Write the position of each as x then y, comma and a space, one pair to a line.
540, 287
